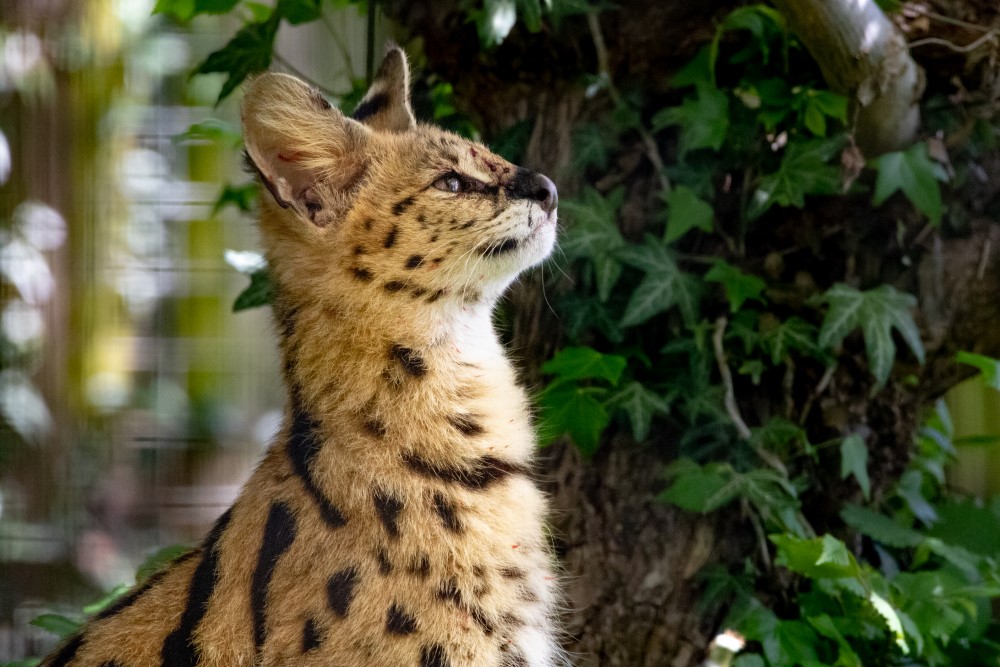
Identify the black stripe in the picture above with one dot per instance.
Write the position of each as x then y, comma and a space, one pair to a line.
394, 286
310, 636
414, 261
479, 474
420, 566
434, 297
502, 248
479, 616
364, 275
398, 622
412, 362
434, 656
399, 208
279, 533
384, 564
370, 107
447, 513
388, 507
178, 648
448, 592
390, 238
466, 424
340, 590
67, 652
133, 595
303, 445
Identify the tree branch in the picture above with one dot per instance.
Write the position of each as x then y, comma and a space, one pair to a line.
732, 409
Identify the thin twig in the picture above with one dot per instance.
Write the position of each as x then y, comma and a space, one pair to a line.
604, 70
758, 530
947, 19
339, 42
305, 77
984, 259
988, 37
824, 382
727, 379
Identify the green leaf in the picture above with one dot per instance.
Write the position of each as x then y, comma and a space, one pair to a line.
804, 170
988, 367
61, 626
891, 617
106, 600
910, 489
299, 11
576, 363
664, 286
686, 211
593, 234
158, 559
854, 461
640, 404
880, 527
591, 147
781, 338
186, 9
248, 52
530, 13
793, 643
699, 489
26, 662
565, 407
739, 286
214, 130
913, 172
240, 196
258, 293
876, 311
703, 120
749, 660
817, 558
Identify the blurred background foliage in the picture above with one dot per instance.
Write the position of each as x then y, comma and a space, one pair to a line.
701, 307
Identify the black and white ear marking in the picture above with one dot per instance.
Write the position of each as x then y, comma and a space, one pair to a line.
386, 105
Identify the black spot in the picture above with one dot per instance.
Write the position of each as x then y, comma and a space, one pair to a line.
448, 592
310, 636
434, 239
384, 565
528, 595
420, 566
368, 223
340, 590
303, 445
421, 219
359, 250
412, 362
399, 208
417, 292
434, 656
388, 507
364, 275
370, 107
477, 475
394, 286
390, 238
478, 570
447, 513
502, 248
512, 621
467, 225
398, 622
512, 573
479, 616
179, 649
414, 261
279, 533
434, 297
375, 426
67, 652
466, 425
132, 596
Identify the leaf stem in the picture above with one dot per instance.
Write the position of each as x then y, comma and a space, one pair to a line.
732, 409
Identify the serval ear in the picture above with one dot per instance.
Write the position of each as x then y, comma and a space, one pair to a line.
386, 105
308, 155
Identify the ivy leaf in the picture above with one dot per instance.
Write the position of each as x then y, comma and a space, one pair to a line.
876, 311
817, 558
804, 170
989, 368
664, 286
820, 104
248, 52
591, 147
793, 643
59, 625
703, 120
258, 293
739, 286
186, 9
780, 338
910, 490
566, 407
880, 527
686, 211
240, 196
699, 489
214, 130
640, 404
299, 11
913, 172
593, 234
577, 363
854, 461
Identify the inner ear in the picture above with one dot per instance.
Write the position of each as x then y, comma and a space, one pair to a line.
307, 154
386, 105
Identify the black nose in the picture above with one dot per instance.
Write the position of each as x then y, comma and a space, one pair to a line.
528, 184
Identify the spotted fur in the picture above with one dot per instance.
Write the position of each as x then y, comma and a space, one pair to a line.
394, 522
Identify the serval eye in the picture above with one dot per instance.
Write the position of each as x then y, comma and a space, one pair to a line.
449, 184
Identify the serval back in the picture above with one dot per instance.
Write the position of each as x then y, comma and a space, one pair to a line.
394, 521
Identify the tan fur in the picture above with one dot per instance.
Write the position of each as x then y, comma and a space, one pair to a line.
385, 286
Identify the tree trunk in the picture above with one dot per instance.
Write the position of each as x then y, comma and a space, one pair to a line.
632, 561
